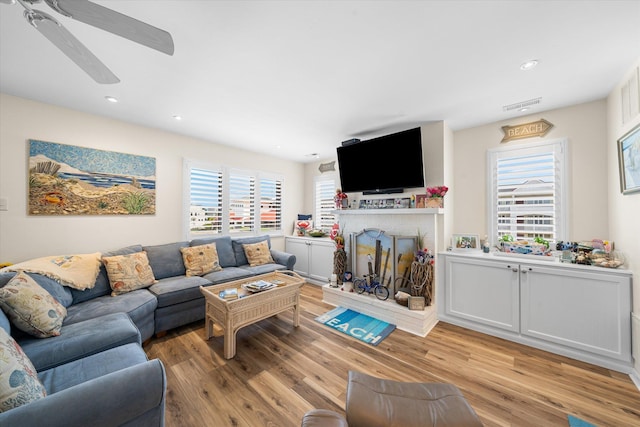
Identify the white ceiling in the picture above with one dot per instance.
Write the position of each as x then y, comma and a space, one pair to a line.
291, 78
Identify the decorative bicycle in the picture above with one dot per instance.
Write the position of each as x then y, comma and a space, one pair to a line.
371, 285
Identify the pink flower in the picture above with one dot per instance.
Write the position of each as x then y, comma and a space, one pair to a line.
439, 191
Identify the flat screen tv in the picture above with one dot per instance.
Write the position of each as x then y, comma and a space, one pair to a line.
383, 165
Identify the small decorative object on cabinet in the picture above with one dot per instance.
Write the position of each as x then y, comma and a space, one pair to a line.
465, 242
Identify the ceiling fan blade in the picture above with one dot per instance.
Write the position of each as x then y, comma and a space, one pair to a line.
70, 46
115, 22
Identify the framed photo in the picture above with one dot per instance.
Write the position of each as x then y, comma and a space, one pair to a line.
421, 200
465, 242
629, 161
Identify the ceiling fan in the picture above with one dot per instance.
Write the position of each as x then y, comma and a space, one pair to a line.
97, 16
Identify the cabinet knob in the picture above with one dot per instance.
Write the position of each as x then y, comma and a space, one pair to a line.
514, 269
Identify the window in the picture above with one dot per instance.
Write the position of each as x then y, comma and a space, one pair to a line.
527, 194
270, 204
325, 190
230, 201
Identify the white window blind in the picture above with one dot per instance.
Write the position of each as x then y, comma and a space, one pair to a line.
220, 200
242, 191
205, 206
325, 190
270, 204
527, 191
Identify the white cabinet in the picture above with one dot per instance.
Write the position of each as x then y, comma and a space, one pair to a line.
578, 311
314, 257
483, 292
589, 311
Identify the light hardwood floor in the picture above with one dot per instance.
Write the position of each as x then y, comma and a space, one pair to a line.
280, 372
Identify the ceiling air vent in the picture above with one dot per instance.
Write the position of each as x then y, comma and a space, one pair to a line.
521, 105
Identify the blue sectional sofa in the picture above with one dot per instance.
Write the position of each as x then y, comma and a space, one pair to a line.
96, 372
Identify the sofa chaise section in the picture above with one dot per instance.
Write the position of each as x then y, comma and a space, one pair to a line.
116, 387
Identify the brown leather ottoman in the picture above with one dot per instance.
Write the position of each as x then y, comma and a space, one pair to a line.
373, 402
323, 418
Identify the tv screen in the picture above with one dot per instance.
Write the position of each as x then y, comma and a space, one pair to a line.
387, 164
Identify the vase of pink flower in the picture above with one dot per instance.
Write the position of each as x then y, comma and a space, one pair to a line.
435, 196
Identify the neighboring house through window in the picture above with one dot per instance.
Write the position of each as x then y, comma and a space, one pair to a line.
231, 201
528, 191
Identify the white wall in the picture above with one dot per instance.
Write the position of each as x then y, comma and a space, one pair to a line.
23, 236
623, 210
584, 126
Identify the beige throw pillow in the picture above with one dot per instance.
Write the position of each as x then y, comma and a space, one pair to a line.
19, 383
258, 253
128, 272
200, 260
31, 308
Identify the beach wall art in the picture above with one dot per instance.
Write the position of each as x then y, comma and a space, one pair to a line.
72, 180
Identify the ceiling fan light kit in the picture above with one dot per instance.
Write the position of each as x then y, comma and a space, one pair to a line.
96, 16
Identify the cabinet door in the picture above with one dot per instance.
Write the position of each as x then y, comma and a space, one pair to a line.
321, 261
483, 291
299, 248
582, 310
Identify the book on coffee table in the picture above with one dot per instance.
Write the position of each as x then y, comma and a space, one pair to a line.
258, 286
229, 294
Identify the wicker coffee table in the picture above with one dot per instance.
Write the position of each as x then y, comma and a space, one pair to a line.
250, 308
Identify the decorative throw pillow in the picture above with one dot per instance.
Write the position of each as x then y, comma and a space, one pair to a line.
76, 271
200, 260
19, 383
258, 253
128, 272
31, 308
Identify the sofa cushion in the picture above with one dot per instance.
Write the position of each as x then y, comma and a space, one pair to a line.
257, 253
227, 274
91, 367
224, 247
263, 269
200, 260
80, 340
19, 383
175, 290
76, 271
238, 249
166, 260
139, 305
102, 286
128, 272
4, 322
31, 308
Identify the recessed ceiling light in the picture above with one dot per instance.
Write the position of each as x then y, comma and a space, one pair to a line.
177, 117
529, 65
111, 99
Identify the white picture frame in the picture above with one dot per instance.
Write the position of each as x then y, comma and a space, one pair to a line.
465, 242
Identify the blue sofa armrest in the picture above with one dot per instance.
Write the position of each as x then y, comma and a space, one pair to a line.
131, 396
283, 258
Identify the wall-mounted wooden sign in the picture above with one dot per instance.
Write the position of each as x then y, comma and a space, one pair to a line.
326, 167
527, 130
